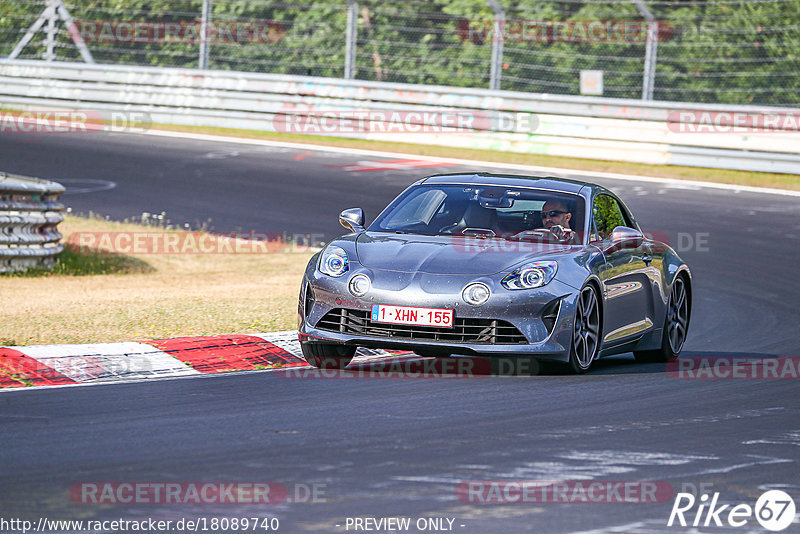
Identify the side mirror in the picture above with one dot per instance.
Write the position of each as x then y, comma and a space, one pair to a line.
352, 219
623, 237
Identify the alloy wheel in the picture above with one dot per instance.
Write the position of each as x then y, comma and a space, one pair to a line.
677, 316
586, 334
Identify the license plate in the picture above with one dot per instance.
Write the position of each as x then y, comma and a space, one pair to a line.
384, 313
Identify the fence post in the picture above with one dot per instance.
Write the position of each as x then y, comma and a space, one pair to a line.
53, 10
650, 51
205, 16
351, 35
50, 39
497, 44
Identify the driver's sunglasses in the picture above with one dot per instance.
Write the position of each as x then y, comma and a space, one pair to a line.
552, 213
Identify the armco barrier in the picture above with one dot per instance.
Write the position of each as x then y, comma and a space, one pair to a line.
566, 126
29, 215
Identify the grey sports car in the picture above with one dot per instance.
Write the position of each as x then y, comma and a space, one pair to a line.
496, 265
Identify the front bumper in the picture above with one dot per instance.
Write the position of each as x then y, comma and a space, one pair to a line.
523, 309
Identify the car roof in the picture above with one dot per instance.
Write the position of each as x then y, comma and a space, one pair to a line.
487, 178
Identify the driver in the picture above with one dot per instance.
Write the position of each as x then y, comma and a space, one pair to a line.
556, 217
555, 212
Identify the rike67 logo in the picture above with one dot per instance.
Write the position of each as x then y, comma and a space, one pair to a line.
774, 511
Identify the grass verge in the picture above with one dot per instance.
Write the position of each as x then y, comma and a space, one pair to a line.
91, 298
756, 179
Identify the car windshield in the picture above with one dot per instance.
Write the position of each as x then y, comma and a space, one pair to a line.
481, 211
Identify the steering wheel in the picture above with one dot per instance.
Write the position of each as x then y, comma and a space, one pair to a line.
554, 234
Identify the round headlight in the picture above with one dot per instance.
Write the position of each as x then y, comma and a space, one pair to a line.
359, 285
531, 277
476, 294
334, 261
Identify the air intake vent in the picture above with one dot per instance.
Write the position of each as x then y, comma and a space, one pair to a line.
473, 331
309, 300
550, 314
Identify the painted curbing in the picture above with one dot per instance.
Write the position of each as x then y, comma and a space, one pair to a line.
61, 365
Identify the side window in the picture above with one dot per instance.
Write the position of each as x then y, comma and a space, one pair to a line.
607, 215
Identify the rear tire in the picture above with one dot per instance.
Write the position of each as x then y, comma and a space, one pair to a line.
676, 325
585, 331
327, 356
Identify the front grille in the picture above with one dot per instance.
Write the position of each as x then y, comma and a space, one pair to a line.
476, 331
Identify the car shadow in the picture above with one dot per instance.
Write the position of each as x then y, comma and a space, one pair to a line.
626, 364
468, 366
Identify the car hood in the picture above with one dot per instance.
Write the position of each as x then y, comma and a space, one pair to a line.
454, 255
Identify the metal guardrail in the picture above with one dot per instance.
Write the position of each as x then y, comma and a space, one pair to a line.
567, 126
29, 215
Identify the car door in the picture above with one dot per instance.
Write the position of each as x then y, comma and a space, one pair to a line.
626, 284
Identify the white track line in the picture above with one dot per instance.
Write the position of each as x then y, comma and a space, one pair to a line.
476, 163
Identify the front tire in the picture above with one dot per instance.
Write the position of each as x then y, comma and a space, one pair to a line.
585, 331
327, 356
676, 325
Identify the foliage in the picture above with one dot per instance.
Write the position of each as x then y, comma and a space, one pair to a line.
607, 215
733, 51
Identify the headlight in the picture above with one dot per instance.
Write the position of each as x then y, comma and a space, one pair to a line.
531, 275
475, 294
334, 262
359, 285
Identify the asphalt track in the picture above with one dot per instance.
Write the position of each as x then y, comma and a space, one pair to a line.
393, 447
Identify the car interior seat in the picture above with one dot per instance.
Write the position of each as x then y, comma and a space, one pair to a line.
476, 216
